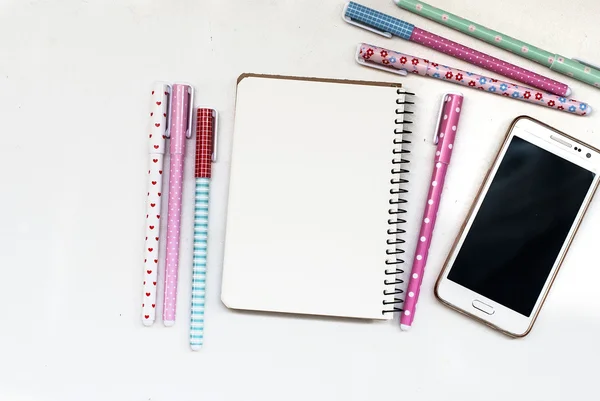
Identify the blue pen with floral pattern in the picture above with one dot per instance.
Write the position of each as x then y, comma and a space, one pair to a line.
399, 63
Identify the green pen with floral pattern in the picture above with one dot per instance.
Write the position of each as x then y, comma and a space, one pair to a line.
577, 69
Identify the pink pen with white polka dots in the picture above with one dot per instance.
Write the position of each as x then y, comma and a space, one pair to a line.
490, 63
180, 129
444, 136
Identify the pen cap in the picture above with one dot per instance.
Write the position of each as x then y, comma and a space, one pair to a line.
374, 21
205, 141
159, 101
180, 117
447, 127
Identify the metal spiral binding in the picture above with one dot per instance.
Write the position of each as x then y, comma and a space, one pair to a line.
393, 262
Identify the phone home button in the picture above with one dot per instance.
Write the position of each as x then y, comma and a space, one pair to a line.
485, 308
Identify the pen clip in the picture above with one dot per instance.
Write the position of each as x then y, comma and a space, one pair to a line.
360, 25
445, 98
168, 126
188, 133
215, 134
436, 133
586, 63
366, 63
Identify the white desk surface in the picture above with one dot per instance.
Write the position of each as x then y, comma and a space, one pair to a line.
74, 81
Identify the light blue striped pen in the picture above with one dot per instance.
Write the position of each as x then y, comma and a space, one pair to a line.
205, 155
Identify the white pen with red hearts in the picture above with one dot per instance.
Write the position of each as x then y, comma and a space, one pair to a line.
156, 151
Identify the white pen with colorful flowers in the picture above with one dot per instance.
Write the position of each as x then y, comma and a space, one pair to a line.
403, 64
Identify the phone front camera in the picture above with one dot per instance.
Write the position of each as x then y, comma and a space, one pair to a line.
588, 155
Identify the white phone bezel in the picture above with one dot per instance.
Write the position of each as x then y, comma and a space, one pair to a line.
461, 298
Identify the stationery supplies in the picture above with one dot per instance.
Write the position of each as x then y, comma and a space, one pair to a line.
572, 67
444, 137
205, 155
314, 219
387, 26
156, 151
402, 64
180, 130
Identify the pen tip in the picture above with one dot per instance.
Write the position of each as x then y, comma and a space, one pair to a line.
589, 110
169, 323
147, 322
404, 327
195, 347
568, 93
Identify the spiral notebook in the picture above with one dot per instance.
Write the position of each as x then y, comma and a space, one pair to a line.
315, 210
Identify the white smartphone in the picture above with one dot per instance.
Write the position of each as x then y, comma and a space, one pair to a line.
520, 226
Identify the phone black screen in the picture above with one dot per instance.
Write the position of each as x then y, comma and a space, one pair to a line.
521, 225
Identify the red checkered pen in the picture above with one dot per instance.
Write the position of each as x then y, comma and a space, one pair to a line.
206, 144
206, 152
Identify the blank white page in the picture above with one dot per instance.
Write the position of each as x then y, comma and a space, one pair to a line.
309, 197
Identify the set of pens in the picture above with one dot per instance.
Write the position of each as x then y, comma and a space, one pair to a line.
574, 68
544, 91
171, 117
389, 26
